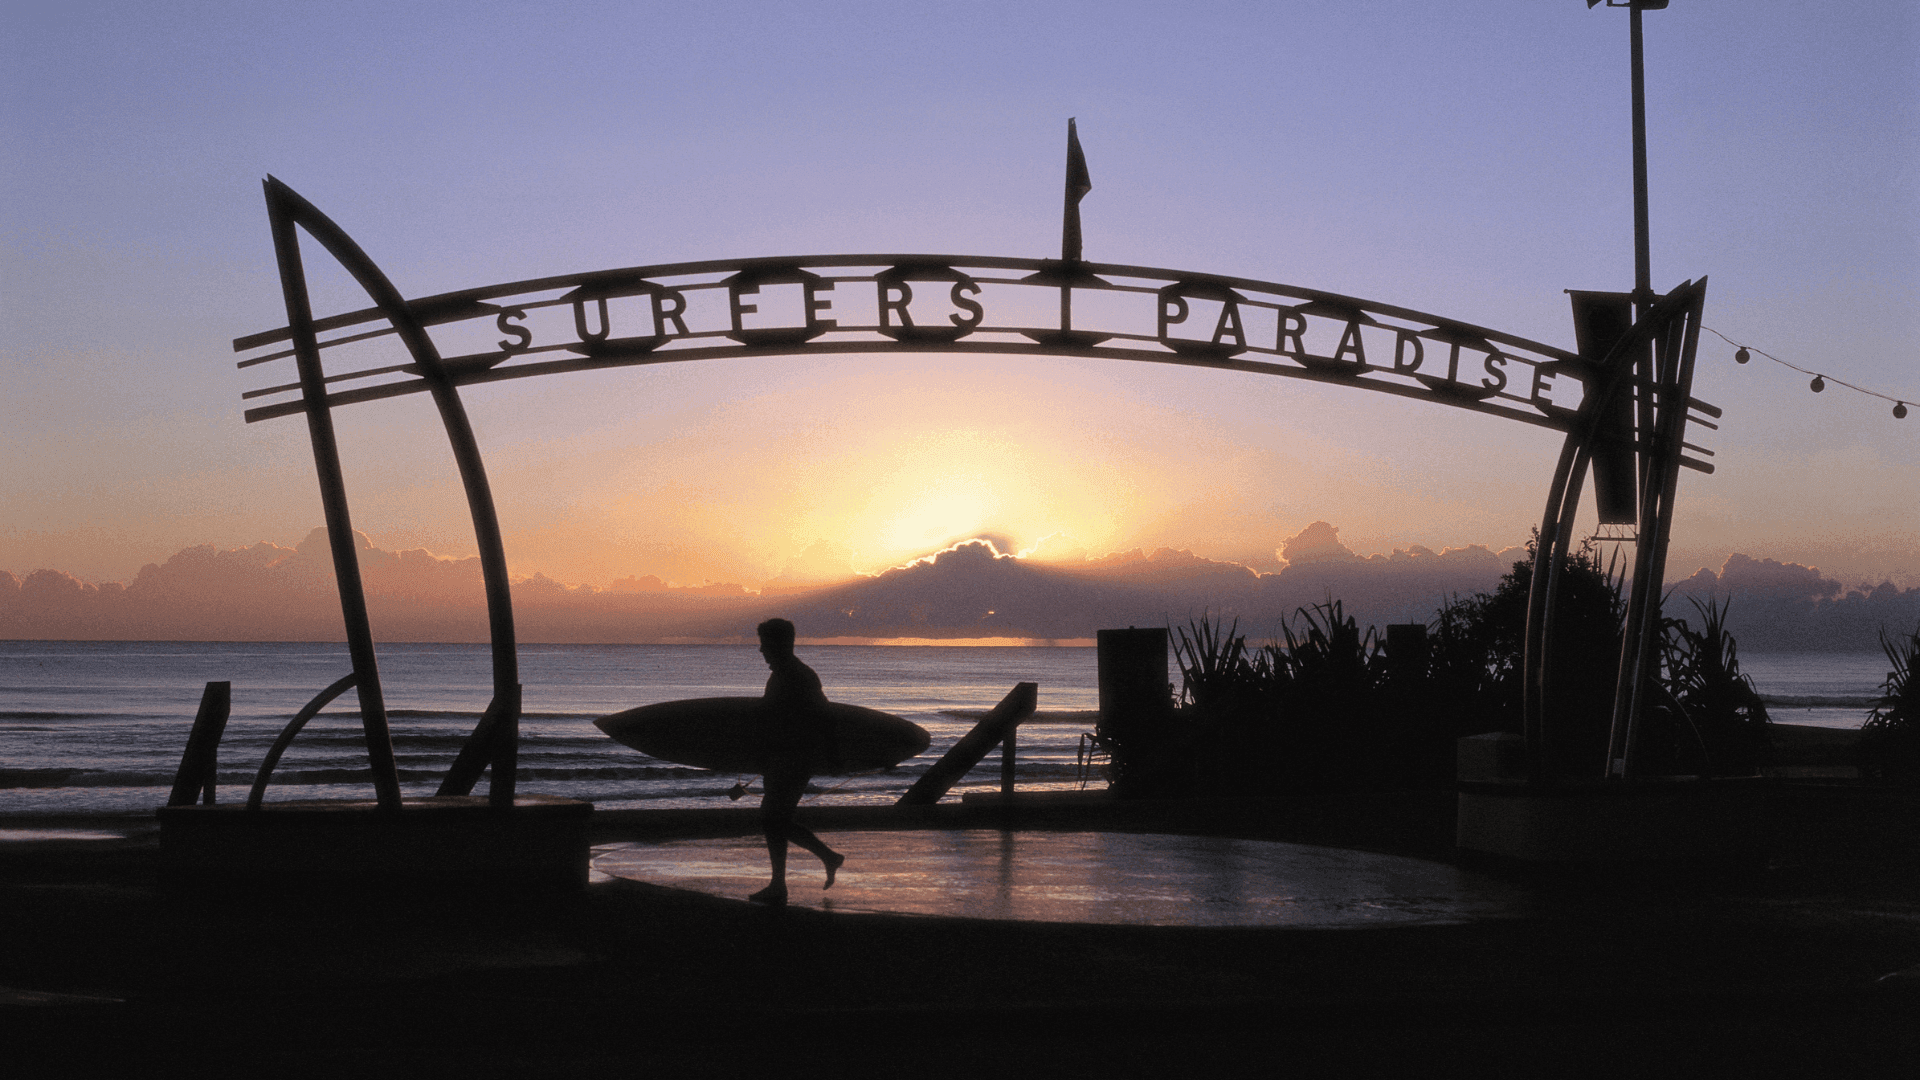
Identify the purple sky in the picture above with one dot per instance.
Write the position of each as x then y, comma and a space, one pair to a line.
1469, 160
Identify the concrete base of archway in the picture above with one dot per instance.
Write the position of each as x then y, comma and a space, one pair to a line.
447, 843
1682, 820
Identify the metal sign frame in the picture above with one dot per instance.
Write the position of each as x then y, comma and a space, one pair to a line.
943, 305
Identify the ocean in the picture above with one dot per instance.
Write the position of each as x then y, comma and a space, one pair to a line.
100, 726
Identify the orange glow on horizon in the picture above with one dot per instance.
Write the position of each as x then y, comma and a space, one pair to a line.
984, 642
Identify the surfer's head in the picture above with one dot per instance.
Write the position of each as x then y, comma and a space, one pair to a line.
776, 636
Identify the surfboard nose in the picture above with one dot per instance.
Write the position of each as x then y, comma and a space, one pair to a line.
916, 742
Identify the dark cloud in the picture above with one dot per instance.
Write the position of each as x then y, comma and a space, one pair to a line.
267, 592
1789, 607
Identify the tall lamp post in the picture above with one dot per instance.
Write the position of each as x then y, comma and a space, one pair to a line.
1642, 259
1651, 538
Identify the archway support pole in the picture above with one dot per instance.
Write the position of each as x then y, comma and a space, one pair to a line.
333, 500
1672, 324
1678, 336
495, 738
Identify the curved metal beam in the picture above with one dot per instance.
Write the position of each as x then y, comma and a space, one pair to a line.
473, 303
285, 738
495, 741
1263, 328
479, 374
1563, 501
281, 216
858, 304
1679, 336
290, 206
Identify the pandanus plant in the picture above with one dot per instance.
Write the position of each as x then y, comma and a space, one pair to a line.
1229, 700
1293, 715
1724, 719
1890, 740
1333, 656
1215, 671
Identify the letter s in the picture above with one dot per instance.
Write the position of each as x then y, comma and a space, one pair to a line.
1495, 367
508, 323
974, 312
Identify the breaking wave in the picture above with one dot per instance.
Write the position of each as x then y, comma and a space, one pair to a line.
1819, 701
112, 778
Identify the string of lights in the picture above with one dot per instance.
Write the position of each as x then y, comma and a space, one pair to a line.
1743, 353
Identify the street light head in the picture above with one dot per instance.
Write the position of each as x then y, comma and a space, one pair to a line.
1643, 5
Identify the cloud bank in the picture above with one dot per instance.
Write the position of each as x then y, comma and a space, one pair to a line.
971, 590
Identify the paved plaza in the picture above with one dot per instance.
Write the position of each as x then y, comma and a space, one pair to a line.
1085, 877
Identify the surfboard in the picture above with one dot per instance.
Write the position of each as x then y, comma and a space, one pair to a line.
721, 734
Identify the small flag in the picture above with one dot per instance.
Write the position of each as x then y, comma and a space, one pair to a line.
1078, 184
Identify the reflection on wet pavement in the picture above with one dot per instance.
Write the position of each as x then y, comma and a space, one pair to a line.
1086, 877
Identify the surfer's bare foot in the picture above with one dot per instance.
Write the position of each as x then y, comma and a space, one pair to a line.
834, 861
771, 896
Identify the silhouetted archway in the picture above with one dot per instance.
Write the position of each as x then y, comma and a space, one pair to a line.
1622, 400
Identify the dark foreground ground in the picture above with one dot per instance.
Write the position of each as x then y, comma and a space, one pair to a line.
1807, 967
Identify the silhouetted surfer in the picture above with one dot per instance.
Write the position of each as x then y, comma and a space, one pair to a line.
795, 734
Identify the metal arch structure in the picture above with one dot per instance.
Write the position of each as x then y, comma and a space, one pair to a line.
963, 305
1662, 342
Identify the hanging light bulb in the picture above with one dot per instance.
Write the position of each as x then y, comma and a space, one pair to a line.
1818, 384
1899, 410
1741, 356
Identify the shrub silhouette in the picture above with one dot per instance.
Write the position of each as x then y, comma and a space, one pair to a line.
1323, 710
1889, 748
1303, 714
1479, 647
1711, 721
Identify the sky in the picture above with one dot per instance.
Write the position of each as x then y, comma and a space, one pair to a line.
1467, 160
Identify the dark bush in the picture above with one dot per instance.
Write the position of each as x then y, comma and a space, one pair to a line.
1323, 710
1711, 721
1889, 749
1309, 713
1479, 645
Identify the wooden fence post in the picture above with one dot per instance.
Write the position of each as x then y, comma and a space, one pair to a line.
955, 763
200, 764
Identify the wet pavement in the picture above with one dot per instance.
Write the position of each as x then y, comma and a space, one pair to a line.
25, 836
1086, 877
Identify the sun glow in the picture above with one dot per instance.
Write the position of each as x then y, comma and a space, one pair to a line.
937, 518
937, 488
823, 480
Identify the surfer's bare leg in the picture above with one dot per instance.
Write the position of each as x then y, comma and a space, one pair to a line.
780, 798
828, 857
777, 809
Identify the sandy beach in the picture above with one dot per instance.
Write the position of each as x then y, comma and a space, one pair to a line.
1807, 965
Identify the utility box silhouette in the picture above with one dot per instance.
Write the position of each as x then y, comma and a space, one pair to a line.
1136, 697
